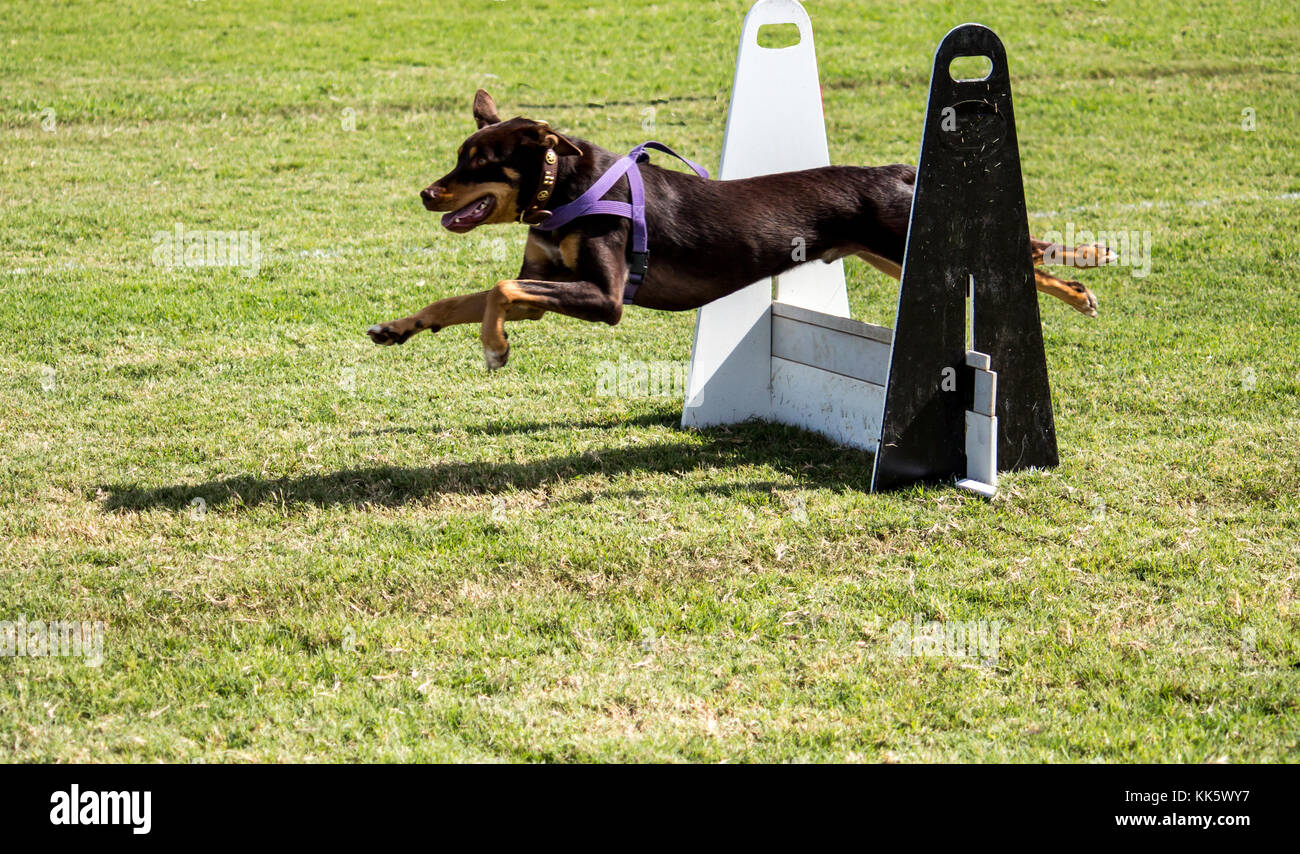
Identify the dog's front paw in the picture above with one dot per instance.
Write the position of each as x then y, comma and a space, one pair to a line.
386, 334
496, 359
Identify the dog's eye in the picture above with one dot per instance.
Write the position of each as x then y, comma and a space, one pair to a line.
478, 162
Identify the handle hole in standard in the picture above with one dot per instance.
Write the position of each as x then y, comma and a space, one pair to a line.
969, 69
776, 36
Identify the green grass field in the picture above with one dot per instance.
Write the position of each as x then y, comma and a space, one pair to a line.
398, 556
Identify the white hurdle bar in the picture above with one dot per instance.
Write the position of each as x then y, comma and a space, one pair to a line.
828, 375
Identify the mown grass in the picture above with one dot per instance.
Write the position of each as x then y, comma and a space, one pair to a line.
401, 557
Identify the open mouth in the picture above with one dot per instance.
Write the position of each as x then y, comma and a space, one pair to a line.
469, 216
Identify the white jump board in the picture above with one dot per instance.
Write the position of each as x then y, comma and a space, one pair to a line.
774, 124
828, 374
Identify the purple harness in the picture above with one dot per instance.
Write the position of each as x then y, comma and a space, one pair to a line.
591, 202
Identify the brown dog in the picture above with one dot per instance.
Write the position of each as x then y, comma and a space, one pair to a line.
707, 238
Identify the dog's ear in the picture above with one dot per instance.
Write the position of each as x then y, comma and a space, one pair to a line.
485, 109
547, 137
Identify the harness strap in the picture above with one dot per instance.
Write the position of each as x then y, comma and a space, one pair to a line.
591, 202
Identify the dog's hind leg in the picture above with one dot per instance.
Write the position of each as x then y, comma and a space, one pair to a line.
1088, 255
1072, 293
445, 312
881, 263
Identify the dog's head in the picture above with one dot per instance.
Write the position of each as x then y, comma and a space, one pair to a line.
498, 169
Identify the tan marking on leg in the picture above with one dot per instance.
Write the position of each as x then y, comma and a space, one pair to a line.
444, 312
452, 311
507, 301
1089, 255
1093, 255
882, 264
470, 309
1071, 293
496, 349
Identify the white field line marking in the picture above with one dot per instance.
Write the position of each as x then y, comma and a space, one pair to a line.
307, 255
1147, 204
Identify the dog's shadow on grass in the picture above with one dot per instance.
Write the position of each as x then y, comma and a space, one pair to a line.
809, 460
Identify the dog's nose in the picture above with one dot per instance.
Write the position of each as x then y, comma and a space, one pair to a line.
430, 195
